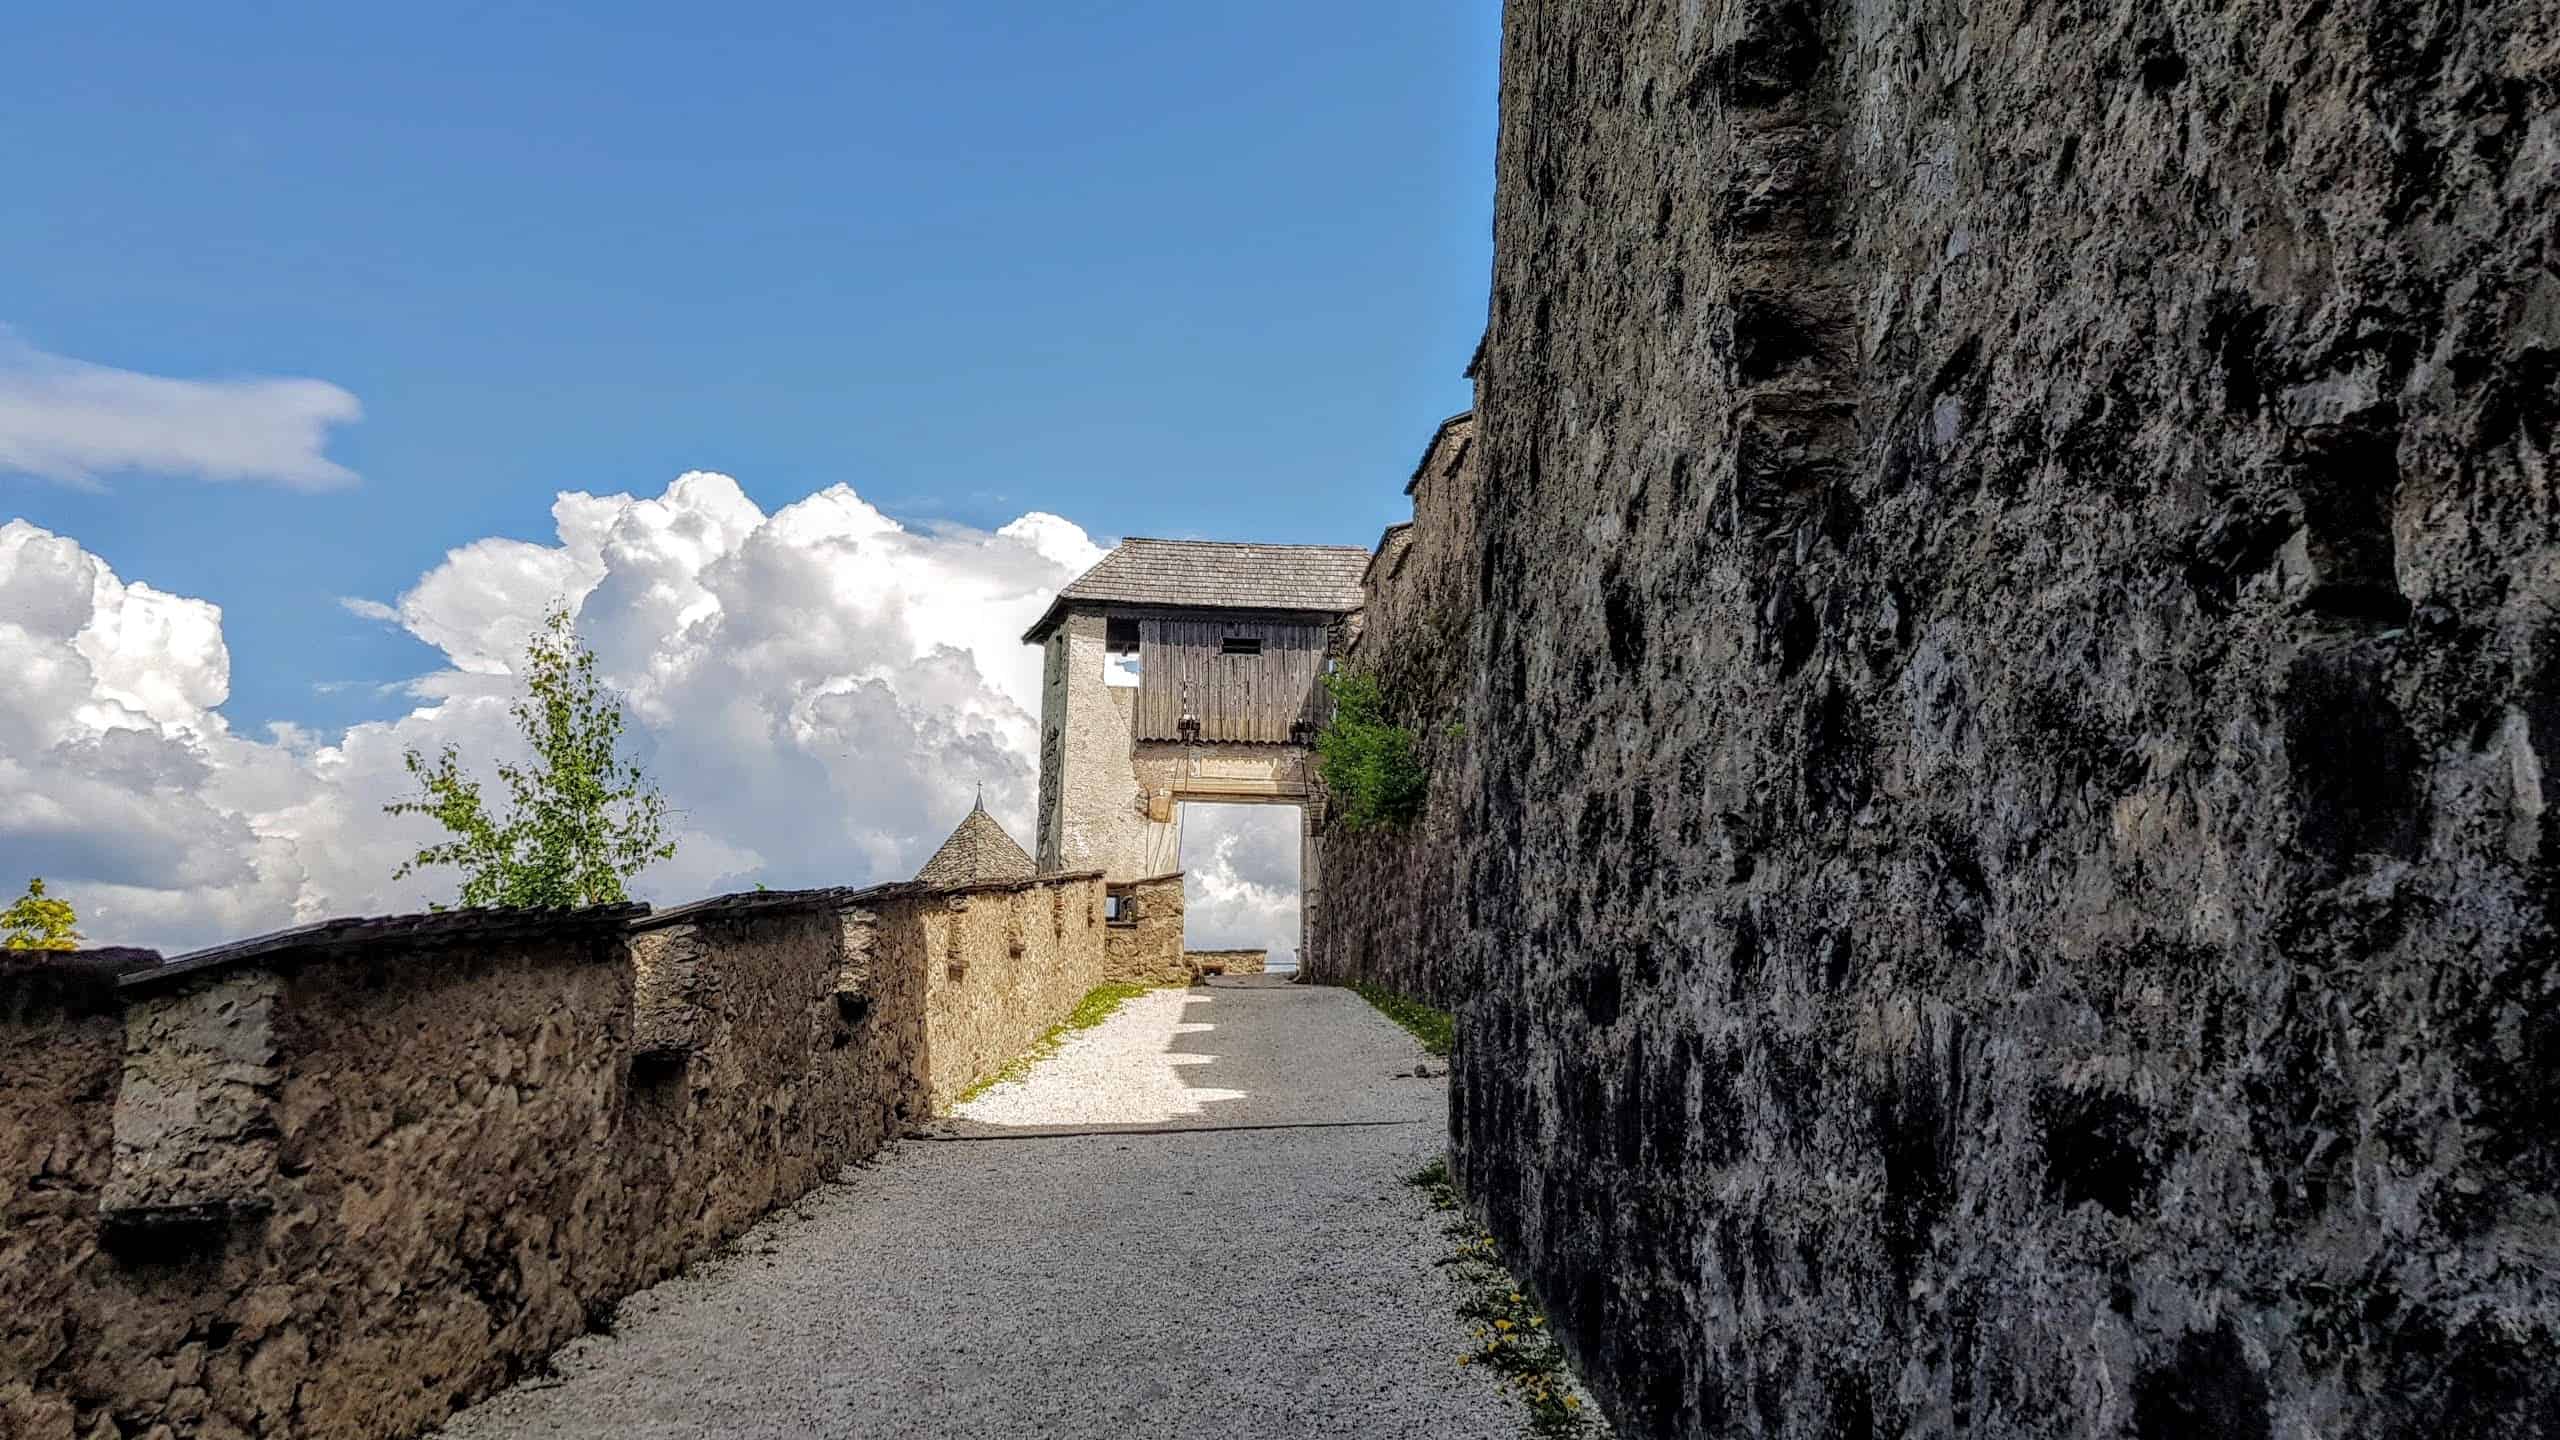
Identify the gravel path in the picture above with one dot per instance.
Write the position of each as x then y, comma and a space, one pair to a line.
1191, 1221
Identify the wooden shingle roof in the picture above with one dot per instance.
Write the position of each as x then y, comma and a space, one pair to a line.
1216, 575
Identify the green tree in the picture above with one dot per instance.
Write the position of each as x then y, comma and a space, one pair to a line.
578, 822
38, 922
1373, 768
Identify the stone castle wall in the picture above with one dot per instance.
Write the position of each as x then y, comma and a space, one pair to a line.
2010, 865
337, 1183
1003, 963
61, 1063
1399, 895
1226, 962
1146, 948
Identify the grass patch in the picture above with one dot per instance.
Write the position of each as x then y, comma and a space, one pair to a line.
1436, 1029
1513, 1342
1097, 1006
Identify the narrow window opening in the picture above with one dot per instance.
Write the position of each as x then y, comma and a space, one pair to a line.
1120, 652
1234, 645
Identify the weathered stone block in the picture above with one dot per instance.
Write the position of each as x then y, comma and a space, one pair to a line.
675, 992
196, 1128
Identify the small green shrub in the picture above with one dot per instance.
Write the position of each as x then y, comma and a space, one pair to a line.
1372, 767
37, 921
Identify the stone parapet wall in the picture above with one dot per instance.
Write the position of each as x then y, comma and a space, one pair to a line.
1002, 964
1226, 962
795, 1055
339, 1181
261, 1153
1146, 948
2010, 873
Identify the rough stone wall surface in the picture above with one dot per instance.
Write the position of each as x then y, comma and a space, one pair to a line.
882, 988
1093, 813
1226, 962
1003, 963
788, 1075
61, 1059
1147, 950
435, 1127
195, 1121
2011, 864
337, 1196
1397, 896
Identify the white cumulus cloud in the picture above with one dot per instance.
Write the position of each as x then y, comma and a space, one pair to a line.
820, 691
72, 421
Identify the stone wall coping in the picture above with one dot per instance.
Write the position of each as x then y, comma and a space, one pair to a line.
981, 887
84, 974
329, 939
1441, 432
745, 903
1146, 880
1386, 537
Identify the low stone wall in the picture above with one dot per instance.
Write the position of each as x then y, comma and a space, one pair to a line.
1145, 948
333, 1185
339, 1181
771, 1047
1226, 962
1001, 964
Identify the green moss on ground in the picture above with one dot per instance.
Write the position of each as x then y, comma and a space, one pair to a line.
1436, 1029
1515, 1346
1097, 1006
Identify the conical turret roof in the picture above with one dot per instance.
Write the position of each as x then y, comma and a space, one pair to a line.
978, 853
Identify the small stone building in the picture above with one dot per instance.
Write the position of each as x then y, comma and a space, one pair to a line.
1185, 670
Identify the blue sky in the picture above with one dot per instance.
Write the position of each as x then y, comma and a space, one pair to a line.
1162, 268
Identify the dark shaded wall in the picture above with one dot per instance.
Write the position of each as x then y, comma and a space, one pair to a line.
63, 1032
2016, 695
1396, 896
